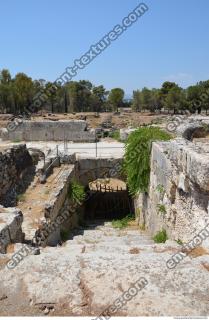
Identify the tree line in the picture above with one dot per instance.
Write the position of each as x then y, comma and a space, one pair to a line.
17, 94
173, 98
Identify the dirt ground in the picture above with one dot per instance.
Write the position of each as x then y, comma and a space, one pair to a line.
121, 120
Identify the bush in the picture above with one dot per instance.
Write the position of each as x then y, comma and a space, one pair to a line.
136, 164
76, 192
161, 236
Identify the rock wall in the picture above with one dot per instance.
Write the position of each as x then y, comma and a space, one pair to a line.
178, 197
49, 230
10, 227
13, 163
89, 169
74, 130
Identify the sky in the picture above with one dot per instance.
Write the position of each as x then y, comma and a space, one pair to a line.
169, 42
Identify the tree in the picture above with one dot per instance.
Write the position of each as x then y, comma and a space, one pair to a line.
98, 98
204, 95
137, 101
115, 98
52, 95
6, 92
23, 91
165, 89
193, 98
146, 97
156, 101
72, 95
175, 99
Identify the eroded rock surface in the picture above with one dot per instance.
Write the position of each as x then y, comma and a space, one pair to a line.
178, 195
86, 275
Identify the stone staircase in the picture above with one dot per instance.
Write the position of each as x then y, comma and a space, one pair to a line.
96, 266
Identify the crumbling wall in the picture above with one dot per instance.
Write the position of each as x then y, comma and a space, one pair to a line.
13, 163
178, 197
74, 130
57, 211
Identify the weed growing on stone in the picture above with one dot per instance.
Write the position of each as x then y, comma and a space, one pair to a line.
160, 188
76, 192
161, 236
179, 242
161, 209
122, 223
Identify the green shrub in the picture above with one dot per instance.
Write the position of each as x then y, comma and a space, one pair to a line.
136, 163
76, 192
123, 223
160, 236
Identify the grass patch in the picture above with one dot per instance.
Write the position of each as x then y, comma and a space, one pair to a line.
160, 236
122, 223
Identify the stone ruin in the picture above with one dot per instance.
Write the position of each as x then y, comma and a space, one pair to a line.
178, 195
74, 130
14, 165
82, 275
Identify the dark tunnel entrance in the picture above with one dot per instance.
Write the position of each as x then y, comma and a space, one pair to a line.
107, 201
